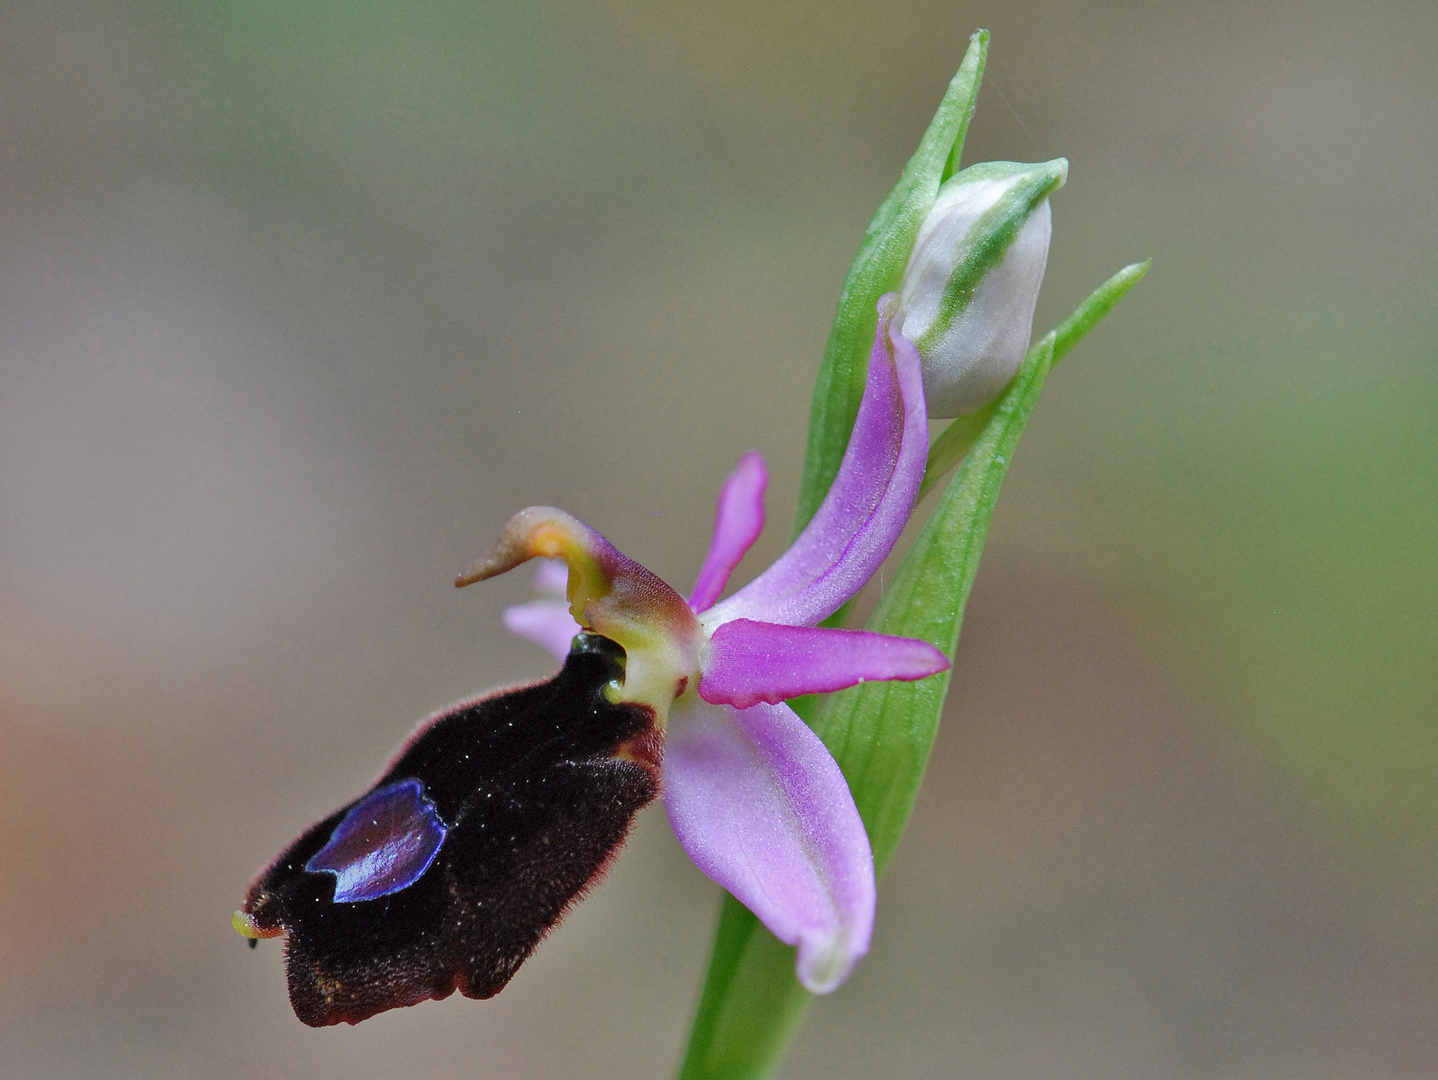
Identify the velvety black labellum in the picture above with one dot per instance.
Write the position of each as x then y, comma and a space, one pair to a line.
494, 817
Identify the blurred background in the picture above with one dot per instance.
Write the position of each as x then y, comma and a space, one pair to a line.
299, 300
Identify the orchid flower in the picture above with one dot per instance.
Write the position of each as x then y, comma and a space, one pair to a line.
752, 793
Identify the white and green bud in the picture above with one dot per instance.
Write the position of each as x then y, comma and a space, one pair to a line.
968, 293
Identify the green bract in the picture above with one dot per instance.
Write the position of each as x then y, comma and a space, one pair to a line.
883, 254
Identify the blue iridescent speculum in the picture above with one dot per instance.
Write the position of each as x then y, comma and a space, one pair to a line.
384, 844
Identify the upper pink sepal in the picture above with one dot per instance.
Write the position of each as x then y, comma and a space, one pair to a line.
868, 503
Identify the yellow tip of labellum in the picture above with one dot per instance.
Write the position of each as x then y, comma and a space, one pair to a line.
246, 926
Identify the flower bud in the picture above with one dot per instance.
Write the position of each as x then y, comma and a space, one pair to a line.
968, 293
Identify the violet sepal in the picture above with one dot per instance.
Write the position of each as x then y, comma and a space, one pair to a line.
547, 623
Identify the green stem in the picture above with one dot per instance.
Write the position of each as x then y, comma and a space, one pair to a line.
751, 1004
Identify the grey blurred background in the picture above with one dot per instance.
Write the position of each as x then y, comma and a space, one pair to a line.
299, 300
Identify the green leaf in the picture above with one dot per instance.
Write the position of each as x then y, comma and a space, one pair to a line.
881, 733
960, 436
876, 270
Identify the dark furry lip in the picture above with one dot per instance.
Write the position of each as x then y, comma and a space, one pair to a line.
493, 819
